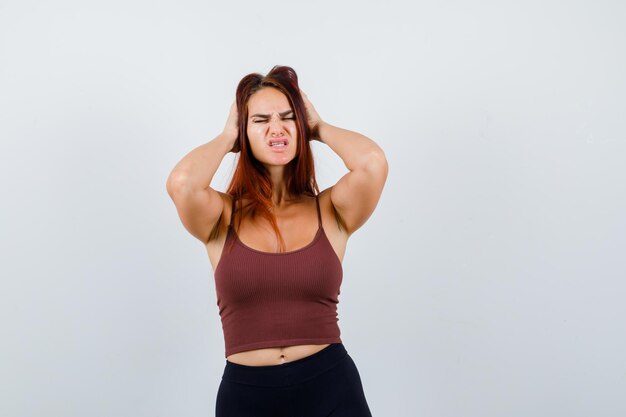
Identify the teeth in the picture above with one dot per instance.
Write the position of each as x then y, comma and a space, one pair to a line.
278, 144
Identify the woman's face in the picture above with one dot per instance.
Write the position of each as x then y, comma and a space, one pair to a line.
272, 127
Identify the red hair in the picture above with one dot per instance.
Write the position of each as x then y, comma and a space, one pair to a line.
251, 179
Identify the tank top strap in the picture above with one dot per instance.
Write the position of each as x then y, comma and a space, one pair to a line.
319, 213
232, 213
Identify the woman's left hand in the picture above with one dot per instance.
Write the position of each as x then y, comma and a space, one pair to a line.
313, 118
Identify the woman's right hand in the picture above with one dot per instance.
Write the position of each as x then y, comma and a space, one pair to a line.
231, 129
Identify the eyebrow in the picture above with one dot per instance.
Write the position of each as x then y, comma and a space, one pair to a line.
267, 116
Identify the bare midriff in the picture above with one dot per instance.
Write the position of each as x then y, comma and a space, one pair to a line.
274, 355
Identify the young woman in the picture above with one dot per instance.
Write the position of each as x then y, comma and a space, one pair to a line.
276, 245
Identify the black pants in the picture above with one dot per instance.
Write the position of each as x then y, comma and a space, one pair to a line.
325, 384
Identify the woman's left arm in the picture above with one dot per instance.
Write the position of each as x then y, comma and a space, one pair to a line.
356, 194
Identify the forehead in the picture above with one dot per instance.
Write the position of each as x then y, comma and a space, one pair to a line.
268, 100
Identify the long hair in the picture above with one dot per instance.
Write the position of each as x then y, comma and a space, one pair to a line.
251, 179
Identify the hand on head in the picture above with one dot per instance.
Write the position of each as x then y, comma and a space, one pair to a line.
231, 129
313, 118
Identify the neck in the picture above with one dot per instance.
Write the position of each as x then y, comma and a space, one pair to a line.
279, 188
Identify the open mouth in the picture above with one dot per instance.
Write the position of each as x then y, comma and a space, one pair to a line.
278, 143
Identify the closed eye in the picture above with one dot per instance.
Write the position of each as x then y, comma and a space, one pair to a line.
263, 121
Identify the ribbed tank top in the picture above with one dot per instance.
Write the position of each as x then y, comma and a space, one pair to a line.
268, 299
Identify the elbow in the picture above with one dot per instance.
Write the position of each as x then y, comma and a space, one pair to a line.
176, 182
376, 163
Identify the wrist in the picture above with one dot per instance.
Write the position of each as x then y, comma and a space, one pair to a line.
230, 135
228, 140
315, 130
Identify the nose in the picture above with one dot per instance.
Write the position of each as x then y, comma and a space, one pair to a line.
276, 126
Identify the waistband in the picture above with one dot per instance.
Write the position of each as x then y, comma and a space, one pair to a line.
288, 373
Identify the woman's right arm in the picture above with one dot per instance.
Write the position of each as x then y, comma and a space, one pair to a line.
199, 206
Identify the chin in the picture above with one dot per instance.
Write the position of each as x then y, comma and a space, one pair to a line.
277, 163
273, 160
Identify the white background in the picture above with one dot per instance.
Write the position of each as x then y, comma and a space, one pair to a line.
489, 281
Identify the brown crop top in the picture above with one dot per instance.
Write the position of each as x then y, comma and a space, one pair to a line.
270, 299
